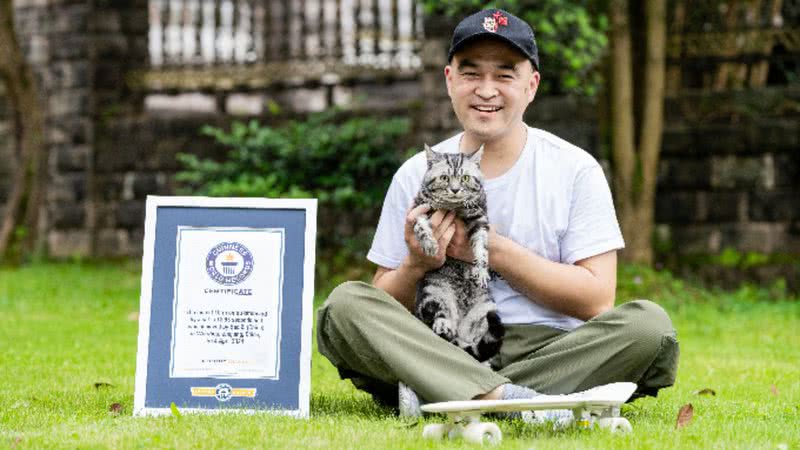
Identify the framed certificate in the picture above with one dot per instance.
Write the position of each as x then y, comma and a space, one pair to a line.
226, 304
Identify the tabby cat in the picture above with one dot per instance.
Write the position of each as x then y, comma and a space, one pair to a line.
454, 300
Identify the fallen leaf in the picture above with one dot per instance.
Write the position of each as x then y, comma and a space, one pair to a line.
684, 416
16, 442
174, 409
101, 384
706, 391
115, 409
774, 390
134, 316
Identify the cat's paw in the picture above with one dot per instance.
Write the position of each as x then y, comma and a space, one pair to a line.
424, 235
443, 328
429, 246
481, 276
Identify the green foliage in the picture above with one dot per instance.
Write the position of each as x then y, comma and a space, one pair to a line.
347, 164
571, 35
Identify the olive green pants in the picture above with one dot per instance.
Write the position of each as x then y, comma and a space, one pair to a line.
373, 340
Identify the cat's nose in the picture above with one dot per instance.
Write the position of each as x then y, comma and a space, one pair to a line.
455, 190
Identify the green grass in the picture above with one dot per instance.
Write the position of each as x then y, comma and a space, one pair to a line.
65, 327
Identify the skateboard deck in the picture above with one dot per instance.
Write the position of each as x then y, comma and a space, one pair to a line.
597, 406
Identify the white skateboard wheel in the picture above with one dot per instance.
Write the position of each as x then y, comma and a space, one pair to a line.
615, 424
480, 433
435, 431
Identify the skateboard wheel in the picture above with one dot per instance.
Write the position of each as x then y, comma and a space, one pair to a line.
615, 424
480, 433
435, 431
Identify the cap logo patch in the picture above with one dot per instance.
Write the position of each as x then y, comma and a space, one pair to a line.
496, 20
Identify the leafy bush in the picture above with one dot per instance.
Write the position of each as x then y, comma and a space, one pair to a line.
571, 35
347, 164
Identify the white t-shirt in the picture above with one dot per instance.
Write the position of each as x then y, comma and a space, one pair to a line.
554, 201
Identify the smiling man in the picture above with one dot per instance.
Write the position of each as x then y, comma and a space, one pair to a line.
552, 243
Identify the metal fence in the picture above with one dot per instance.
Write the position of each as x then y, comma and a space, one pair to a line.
203, 33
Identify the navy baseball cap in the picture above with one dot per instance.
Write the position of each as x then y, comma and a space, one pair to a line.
498, 24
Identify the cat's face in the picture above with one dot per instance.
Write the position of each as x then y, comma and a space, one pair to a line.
453, 179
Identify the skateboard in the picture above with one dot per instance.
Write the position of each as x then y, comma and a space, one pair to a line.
597, 406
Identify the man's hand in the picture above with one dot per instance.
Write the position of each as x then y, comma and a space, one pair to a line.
442, 229
460, 246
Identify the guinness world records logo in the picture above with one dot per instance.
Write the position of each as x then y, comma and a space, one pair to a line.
229, 263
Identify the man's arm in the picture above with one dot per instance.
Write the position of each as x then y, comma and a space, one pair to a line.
401, 283
583, 290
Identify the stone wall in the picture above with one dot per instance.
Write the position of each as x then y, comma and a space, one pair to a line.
729, 177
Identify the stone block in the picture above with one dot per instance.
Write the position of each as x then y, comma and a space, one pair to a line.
68, 243
110, 46
67, 216
148, 183
69, 46
109, 76
106, 21
447, 118
135, 21
302, 100
130, 214
776, 206
70, 130
730, 171
108, 187
114, 154
697, 238
67, 188
105, 214
679, 208
433, 84
112, 243
69, 74
38, 51
72, 18
760, 237
434, 52
720, 139
69, 102
190, 101
787, 169
684, 173
244, 104
778, 135
724, 206
562, 109
342, 96
71, 158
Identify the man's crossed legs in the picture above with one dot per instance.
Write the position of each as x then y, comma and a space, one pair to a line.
373, 340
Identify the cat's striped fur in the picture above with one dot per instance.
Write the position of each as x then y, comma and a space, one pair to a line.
454, 300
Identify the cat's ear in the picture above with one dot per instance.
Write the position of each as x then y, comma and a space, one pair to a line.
476, 155
431, 155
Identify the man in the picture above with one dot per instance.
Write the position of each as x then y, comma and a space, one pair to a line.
553, 242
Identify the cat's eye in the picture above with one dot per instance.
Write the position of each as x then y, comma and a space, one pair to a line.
444, 177
465, 178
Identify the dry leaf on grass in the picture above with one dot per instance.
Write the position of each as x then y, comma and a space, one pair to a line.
706, 391
115, 409
134, 316
774, 390
684, 416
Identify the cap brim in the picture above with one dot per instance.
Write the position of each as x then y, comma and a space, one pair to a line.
487, 34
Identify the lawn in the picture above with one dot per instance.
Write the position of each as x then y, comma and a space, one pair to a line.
68, 353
